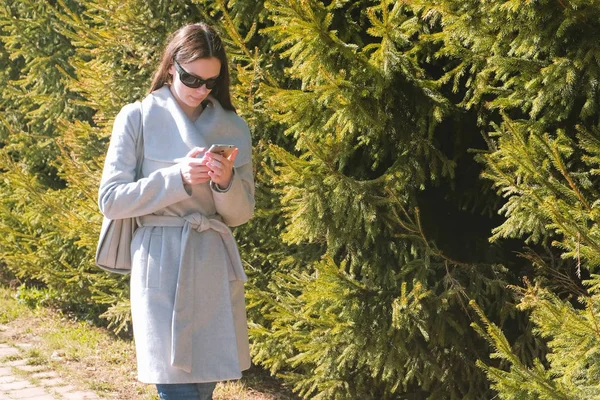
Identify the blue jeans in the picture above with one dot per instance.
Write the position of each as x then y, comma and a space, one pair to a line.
186, 391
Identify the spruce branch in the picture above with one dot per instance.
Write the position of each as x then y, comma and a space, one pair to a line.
233, 31
567, 176
520, 372
578, 255
593, 317
566, 226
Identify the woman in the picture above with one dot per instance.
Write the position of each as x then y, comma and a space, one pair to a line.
187, 296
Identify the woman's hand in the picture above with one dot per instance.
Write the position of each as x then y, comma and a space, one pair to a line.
220, 168
194, 170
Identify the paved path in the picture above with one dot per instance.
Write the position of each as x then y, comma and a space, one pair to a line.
18, 380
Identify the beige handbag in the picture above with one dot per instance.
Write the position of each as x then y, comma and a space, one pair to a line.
113, 253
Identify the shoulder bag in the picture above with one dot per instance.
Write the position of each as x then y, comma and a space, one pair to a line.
113, 253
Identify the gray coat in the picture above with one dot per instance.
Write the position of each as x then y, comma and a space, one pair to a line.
187, 294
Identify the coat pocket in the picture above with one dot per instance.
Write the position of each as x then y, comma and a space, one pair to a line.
154, 262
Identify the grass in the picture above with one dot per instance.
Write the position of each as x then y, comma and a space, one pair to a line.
11, 310
94, 359
35, 357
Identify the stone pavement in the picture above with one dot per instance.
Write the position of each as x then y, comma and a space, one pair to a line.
19, 380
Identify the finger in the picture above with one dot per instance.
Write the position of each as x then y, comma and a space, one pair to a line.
199, 177
199, 168
216, 172
213, 156
216, 156
195, 151
233, 155
214, 164
214, 175
194, 169
196, 162
202, 174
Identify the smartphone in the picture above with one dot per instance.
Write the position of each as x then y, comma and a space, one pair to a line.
224, 150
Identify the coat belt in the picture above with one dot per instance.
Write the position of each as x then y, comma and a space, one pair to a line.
182, 322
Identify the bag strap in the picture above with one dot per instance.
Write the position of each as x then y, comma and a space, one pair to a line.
139, 145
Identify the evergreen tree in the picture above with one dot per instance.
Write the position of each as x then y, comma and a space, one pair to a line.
371, 231
109, 50
99, 63
35, 99
376, 310
531, 68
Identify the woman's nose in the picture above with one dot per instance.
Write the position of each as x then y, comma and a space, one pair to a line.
202, 89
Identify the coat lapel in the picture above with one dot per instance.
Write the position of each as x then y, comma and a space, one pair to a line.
169, 134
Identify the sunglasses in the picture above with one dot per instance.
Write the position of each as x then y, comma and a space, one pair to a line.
193, 81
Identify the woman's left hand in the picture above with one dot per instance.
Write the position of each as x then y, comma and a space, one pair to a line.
221, 168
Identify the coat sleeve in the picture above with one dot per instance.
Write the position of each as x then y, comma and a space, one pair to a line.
120, 196
236, 205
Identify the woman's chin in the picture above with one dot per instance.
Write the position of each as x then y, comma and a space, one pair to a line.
195, 101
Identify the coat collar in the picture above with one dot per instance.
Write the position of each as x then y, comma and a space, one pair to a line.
163, 116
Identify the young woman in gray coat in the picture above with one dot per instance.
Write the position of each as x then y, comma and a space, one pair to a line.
187, 295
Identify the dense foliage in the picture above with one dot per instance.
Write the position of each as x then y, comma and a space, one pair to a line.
414, 162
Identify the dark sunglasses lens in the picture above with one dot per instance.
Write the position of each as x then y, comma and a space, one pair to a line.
190, 81
194, 82
211, 83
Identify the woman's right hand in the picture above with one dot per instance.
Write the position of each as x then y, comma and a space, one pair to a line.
194, 170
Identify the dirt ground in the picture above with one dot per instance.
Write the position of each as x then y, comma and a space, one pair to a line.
95, 360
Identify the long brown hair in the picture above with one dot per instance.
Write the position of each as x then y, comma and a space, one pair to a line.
190, 43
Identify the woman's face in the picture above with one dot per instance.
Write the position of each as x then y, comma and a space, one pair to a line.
190, 98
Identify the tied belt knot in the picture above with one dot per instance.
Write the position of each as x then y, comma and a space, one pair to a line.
182, 322
200, 222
